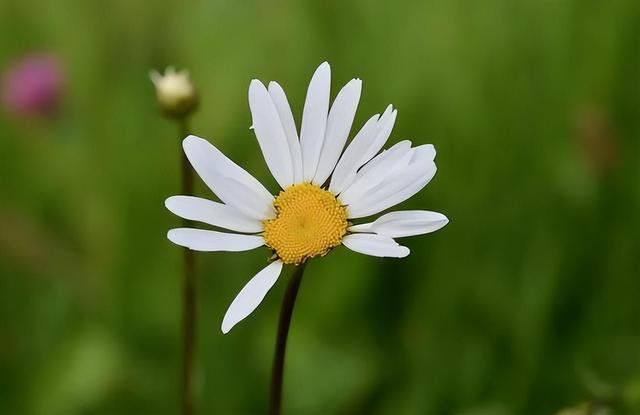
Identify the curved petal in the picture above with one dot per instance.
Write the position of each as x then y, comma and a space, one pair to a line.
392, 192
288, 124
381, 167
230, 182
314, 119
397, 188
212, 213
425, 153
346, 168
363, 148
404, 223
270, 134
375, 245
428, 151
209, 241
339, 124
251, 295
385, 126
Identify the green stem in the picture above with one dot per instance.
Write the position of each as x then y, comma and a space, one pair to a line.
188, 291
286, 311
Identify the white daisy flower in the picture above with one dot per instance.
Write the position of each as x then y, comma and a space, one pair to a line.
323, 188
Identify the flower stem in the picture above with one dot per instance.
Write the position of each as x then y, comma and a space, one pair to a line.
188, 291
286, 311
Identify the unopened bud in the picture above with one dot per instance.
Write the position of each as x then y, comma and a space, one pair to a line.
177, 98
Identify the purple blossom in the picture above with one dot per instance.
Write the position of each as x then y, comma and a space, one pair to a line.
32, 85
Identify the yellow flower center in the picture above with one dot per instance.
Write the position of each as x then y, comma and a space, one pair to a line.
309, 222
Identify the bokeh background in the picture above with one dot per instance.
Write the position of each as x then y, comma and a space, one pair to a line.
526, 303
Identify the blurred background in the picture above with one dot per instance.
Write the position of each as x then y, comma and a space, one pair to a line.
526, 303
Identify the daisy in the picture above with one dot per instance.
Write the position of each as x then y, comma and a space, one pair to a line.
322, 187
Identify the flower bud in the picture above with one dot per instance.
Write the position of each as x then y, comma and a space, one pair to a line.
175, 93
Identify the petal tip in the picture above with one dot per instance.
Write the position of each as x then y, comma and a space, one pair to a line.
191, 141
323, 70
192, 138
171, 234
256, 85
356, 85
273, 85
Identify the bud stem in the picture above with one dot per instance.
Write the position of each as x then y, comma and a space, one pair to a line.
188, 289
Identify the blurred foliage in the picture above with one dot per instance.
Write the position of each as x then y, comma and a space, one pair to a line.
526, 303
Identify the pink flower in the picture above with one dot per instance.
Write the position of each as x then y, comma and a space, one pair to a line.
32, 85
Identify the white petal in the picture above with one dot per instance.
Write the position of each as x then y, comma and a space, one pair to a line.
375, 245
385, 126
394, 190
346, 168
289, 126
270, 134
363, 148
429, 151
314, 119
404, 223
381, 167
339, 123
230, 182
213, 213
205, 240
251, 295
389, 158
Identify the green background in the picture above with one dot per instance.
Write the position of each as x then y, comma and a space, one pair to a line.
526, 303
